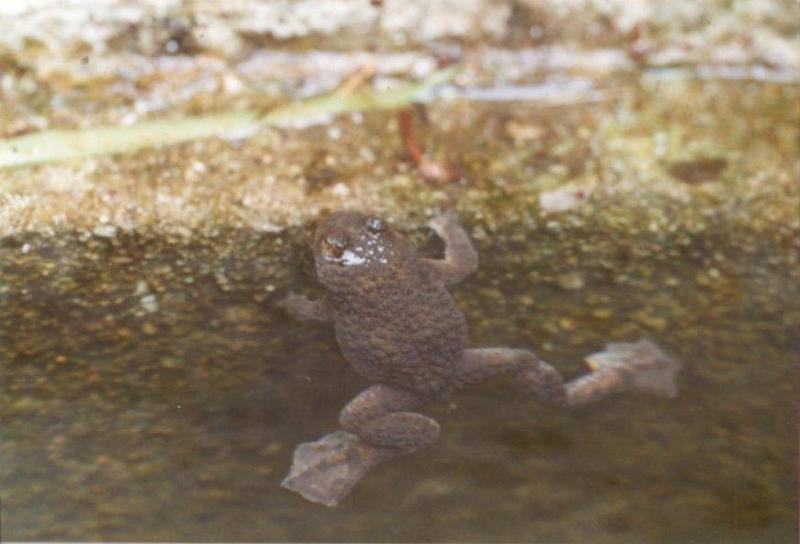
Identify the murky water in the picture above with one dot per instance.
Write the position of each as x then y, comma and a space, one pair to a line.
150, 392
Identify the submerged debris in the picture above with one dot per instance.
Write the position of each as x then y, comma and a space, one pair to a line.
432, 170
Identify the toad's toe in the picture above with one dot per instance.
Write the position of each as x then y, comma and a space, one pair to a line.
641, 365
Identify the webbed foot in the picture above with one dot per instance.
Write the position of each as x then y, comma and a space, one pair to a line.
325, 471
643, 365
625, 366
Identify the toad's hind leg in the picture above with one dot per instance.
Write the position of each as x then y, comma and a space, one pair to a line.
531, 374
377, 426
639, 366
380, 417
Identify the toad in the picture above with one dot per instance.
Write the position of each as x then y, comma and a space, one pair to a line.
397, 325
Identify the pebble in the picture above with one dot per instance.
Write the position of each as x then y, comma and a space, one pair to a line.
561, 200
105, 231
341, 190
651, 321
150, 303
567, 324
602, 313
571, 281
170, 363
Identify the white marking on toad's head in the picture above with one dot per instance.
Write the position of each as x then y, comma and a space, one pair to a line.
353, 240
349, 258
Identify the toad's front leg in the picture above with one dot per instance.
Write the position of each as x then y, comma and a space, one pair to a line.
460, 257
378, 425
303, 308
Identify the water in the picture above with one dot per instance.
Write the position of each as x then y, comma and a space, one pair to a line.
151, 391
178, 424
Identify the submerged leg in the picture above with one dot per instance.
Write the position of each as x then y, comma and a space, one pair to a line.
380, 417
302, 308
531, 374
638, 366
377, 426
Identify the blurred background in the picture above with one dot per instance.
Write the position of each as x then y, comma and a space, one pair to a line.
627, 169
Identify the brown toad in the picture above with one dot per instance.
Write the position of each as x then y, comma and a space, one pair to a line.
397, 324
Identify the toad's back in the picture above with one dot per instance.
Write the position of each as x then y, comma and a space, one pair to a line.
399, 325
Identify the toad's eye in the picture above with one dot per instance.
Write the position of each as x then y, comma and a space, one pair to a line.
334, 246
375, 225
